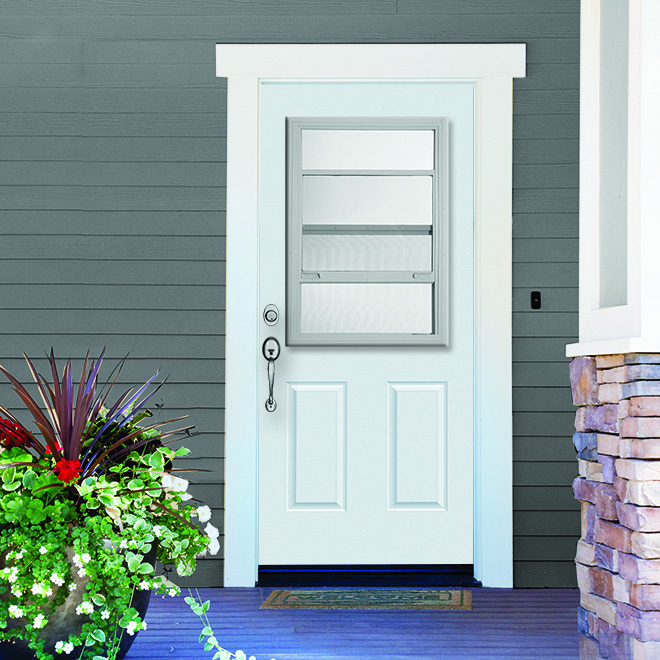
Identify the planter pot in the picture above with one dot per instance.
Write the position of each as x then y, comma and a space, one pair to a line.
64, 621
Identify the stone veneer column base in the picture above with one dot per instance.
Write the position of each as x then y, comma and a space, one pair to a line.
618, 443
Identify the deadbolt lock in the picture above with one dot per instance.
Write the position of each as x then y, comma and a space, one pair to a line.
271, 315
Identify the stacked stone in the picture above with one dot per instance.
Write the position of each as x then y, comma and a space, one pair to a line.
618, 443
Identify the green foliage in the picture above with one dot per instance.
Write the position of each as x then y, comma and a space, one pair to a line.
88, 529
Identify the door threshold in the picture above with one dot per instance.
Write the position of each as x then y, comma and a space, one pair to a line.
376, 575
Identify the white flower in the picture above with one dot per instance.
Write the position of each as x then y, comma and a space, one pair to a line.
158, 530
68, 647
10, 573
76, 559
73, 586
211, 531
131, 627
82, 572
203, 513
144, 585
39, 621
174, 591
214, 546
85, 558
105, 614
15, 612
16, 591
56, 579
185, 497
84, 608
59, 647
18, 555
123, 544
178, 485
43, 550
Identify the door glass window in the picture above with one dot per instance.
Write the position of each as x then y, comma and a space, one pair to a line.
366, 231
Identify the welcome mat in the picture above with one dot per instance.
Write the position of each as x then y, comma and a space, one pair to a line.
369, 599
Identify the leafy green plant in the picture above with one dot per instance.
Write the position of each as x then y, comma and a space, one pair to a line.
82, 506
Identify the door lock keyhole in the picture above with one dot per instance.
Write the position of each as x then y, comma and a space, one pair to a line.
271, 315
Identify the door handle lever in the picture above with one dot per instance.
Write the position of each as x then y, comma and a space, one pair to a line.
271, 351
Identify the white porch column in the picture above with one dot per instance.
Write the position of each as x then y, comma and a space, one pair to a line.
619, 178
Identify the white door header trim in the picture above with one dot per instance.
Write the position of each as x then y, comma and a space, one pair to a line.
384, 61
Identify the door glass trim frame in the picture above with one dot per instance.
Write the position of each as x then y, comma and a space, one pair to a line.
439, 228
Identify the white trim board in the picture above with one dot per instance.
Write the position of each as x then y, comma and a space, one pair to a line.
491, 67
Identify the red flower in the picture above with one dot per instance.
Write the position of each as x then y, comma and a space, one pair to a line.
67, 471
12, 434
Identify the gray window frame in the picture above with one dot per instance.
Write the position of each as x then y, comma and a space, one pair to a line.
296, 277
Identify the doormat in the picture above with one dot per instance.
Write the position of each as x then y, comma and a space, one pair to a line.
369, 599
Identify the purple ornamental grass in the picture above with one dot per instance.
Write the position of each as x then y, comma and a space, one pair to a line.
67, 425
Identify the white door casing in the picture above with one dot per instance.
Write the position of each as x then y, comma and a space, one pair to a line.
368, 458
491, 68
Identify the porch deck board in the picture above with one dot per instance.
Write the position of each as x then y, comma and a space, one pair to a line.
520, 624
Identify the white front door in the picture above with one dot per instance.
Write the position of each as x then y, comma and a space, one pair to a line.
368, 456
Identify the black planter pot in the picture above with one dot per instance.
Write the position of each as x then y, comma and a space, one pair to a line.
65, 621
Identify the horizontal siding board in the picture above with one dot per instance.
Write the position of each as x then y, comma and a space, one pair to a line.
545, 324
112, 174
541, 374
542, 399
545, 225
541, 349
546, 523
79, 99
544, 473
535, 274
119, 124
542, 574
544, 498
544, 423
314, 28
540, 250
101, 270
57, 296
533, 8
537, 449
552, 300
545, 200
533, 102
113, 198
535, 151
135, 371
546, 126
545, 548
161, 248
108, 322
140, 346
204, 8
564, 175
113, 223
128, 149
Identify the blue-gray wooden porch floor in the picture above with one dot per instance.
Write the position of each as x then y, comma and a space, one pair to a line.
529, 624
